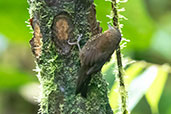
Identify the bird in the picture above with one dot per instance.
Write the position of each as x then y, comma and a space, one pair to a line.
94, 54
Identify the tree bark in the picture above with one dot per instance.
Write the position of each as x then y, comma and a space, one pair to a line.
54, 23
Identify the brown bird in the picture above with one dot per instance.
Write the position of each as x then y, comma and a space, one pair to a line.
94, 54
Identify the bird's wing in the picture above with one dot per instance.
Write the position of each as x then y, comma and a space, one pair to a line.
92, 56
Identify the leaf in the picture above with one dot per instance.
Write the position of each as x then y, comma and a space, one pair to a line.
132, 71
154, 92
108, 72
140, 85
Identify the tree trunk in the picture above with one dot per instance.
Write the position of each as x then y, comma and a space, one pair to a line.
54, 23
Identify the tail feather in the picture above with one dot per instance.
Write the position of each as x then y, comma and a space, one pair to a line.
82, 82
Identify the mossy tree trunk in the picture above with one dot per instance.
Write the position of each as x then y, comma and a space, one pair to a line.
54, 23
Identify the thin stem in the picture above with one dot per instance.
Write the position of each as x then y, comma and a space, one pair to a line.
123, 91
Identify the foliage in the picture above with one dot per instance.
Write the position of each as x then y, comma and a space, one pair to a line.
147, 28
143, 77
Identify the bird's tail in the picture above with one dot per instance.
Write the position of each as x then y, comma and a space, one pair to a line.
82, 82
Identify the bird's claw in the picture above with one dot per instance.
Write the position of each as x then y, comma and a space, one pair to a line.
77, 42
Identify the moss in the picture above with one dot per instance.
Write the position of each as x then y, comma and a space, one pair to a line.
57, 73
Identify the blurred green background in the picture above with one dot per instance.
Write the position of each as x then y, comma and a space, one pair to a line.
146, 23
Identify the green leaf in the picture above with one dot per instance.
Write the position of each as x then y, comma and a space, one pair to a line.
134, 70
140, 85
131, 72
108, 72
154, 92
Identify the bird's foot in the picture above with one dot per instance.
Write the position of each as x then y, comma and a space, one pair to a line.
77, 42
